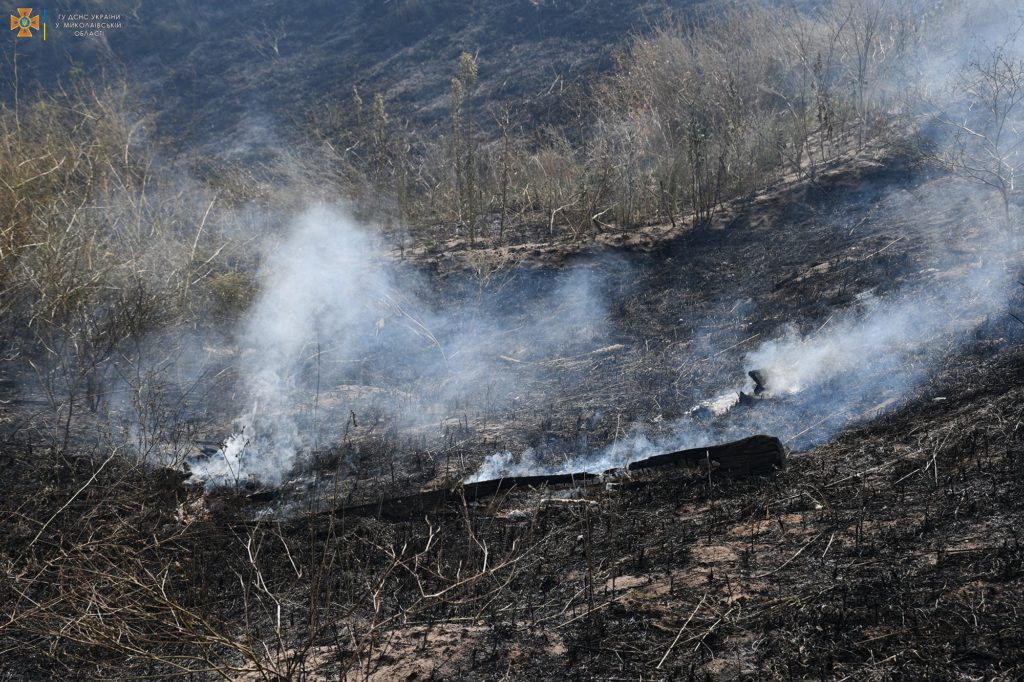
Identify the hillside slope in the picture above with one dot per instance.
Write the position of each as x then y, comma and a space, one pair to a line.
220, 75
892, 550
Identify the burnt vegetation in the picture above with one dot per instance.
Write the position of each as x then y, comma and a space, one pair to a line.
730, 175
894, 551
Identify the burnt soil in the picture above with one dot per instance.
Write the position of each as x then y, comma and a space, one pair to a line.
892, 551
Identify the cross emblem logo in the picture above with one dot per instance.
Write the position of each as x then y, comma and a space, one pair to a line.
24, 22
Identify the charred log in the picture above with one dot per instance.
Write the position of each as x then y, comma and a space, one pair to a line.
746, 400
433, 501
754, 456
702, 413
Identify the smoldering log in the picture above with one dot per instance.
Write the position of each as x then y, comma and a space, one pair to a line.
703, 413
753, 456
478, 489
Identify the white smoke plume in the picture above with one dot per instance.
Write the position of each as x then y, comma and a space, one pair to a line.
331, 298
334, 309
322, 286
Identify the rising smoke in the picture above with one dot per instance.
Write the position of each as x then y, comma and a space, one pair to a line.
323, 287
861, 363
332, 299
336, 311
872, 357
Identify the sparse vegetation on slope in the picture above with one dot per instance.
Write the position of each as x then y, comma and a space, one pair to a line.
695, 113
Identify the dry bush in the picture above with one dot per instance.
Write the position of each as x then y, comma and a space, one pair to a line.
232, 293
986, 124
699, 113
99, 250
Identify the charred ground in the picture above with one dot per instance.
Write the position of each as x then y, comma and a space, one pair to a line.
892, 551
208, 67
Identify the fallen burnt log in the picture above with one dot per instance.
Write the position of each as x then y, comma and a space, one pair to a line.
754, 456
432, 501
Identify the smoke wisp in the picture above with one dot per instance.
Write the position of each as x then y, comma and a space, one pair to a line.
861, 363
335, 315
